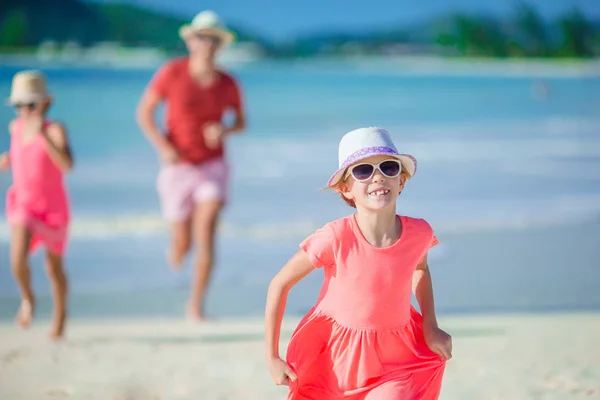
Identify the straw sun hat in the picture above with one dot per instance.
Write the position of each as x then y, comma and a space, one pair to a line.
28, 87
209, 23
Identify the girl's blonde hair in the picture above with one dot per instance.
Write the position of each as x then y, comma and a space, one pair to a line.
339, 186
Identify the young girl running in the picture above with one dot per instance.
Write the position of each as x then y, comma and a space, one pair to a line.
37, 206
363, 339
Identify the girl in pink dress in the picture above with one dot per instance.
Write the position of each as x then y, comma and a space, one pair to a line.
363, 339
37, 206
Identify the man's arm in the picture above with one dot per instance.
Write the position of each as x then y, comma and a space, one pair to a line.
239, 123
146, 120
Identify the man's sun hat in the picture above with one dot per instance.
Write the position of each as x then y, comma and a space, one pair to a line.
28, 87
207, 22
363, 143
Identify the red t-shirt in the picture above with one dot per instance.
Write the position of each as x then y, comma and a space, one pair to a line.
189, 107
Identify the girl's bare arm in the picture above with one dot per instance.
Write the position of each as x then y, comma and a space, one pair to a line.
296, 268
58, 147
4, 157
423, 289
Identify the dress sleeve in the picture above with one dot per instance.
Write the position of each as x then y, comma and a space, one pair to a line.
320, 247
429, 238
434, 241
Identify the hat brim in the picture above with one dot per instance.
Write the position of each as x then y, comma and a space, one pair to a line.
27, 98
226, 36
408, 162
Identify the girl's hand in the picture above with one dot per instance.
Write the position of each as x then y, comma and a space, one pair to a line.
281, 372
4, 161
438, 341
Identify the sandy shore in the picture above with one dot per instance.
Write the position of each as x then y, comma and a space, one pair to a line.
551, 356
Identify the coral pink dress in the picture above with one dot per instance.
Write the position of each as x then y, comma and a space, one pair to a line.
37, 198
363, 339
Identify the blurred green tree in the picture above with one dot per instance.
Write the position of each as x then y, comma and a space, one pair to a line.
531, 31
13, 29
577, 35
476, 36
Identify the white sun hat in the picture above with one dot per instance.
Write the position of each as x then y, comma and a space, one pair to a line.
207, 22
362, 143
28, 87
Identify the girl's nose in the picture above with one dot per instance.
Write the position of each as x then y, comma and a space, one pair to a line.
378, 176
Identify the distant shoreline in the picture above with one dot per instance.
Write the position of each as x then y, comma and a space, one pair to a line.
401, 65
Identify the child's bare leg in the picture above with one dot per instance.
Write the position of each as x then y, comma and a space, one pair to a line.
59, 284
181, 240
19, 252
205, 223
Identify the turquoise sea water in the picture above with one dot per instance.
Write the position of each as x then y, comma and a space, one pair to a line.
497, 164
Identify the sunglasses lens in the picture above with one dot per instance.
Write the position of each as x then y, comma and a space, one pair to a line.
390, 168
208, 38
29, 106
362, 172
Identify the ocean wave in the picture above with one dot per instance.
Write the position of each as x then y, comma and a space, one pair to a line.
491, 216
254, 157
285, 159
98, 227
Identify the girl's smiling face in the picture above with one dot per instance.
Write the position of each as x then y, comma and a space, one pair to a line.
379, 191
25, 110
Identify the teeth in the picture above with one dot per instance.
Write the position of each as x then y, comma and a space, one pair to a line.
379, 192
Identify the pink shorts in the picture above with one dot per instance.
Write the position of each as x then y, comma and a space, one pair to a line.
181, 186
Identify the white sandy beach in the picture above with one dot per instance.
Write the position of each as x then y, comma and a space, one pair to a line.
513, 357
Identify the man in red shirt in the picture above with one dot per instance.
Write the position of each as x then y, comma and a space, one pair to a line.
192, 183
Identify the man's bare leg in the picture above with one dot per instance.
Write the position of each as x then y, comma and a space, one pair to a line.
181, 239
205, 220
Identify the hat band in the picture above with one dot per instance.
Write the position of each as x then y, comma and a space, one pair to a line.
367, 151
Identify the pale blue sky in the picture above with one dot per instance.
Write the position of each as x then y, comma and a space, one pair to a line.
280, 19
